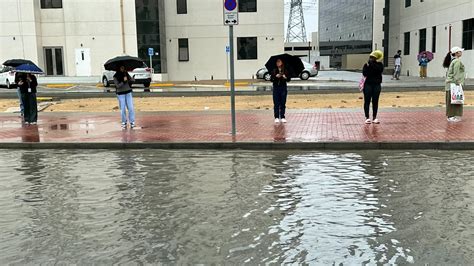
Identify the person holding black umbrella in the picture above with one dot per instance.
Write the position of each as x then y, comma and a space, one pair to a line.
280, 77
27, 83
123, 82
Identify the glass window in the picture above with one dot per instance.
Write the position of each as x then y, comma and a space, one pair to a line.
183, 50
433, 40
406, 43
54, 61
407, 3
182, 6
246, 48
467, 33
148, 31
248, 6
51, 3
422, 46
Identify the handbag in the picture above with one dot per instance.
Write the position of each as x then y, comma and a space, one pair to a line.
362, 83
457, 94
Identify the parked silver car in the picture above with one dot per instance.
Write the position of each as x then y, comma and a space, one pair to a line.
7, 76
141, 75
309, 71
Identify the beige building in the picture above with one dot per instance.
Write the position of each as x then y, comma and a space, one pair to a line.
75, 37
431, 25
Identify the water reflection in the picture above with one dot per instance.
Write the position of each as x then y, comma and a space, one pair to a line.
215, 207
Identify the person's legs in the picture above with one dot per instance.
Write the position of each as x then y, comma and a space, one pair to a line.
130, 108
425, 71
33, 107
122, 105
399, 71
276, 103
283, 96
375, 100
22, 108
367, 99
26, 107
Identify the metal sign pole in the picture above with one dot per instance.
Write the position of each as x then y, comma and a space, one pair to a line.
232, 81
151, 62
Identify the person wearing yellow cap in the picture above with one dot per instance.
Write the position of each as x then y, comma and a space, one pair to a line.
372, 72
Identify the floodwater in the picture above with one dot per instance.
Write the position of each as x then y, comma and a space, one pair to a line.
235, 207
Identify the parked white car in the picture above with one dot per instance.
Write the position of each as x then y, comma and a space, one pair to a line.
141, 75
309, 71
7, 76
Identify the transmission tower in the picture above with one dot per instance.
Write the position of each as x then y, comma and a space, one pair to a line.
296, 29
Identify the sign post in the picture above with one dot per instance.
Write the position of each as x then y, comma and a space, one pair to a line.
227, 51
151, 52
231, 18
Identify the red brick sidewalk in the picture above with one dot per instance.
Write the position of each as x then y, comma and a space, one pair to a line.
406, 125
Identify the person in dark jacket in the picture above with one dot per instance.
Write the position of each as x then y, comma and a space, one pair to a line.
27, 84
372, 71
280, 77
18, 92
123, 83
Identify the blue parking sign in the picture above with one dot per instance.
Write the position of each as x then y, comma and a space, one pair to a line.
151, 51
227, 49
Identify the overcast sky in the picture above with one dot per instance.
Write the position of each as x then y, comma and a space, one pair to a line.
310, 15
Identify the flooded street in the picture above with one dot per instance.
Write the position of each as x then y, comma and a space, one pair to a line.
198, 206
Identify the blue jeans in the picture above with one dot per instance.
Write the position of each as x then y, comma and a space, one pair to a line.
22, 108
126, 103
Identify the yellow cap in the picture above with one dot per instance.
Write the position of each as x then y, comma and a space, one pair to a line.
377, 54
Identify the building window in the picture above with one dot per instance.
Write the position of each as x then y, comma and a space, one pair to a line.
248, 6
407, 3
148, 32
406, 43
246, 48
433, 40
422, 46
51, 3
54, 61
467, 33
182, 6
183, 50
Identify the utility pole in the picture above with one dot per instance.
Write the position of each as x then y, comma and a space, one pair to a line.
296, 31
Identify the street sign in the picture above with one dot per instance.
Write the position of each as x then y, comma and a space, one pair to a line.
151, 51
227, 49
231, 12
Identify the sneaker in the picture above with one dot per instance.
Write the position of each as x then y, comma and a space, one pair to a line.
283, 120
33, 123
277, 120
376, 121
132, 125
368, 121
124, 125
452, 119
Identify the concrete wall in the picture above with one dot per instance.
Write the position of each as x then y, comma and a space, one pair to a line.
378, 21
208, 37
97, 27
440, 13
354, 61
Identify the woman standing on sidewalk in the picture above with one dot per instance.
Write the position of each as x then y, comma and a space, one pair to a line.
372, 71
280, 77
456, 74
123, 83
27, 84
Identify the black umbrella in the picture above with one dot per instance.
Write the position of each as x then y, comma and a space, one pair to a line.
17, 62
293, 64
129, 62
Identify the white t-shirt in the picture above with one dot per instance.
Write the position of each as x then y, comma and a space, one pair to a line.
398, 61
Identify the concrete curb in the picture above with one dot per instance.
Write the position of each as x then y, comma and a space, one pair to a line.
465, 145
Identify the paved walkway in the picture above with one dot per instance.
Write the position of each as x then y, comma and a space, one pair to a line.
333, 128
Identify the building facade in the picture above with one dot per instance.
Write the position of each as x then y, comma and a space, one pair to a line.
76, 37
430, 25
345, 27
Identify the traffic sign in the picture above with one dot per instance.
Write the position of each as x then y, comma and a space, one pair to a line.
231, 12
227, 49
151, 51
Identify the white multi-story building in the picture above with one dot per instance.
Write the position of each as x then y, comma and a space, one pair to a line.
430, 25
76, 37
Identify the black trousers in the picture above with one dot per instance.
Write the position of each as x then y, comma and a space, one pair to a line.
371, 94
30, 106
279, 101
